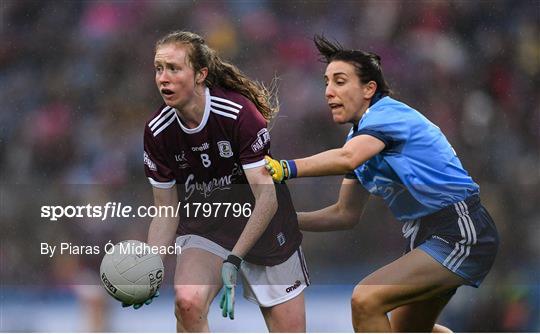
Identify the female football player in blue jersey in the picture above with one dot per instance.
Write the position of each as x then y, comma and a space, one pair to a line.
394, 152
205, 146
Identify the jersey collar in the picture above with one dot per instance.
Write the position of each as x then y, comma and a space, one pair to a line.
204, 119
376, 97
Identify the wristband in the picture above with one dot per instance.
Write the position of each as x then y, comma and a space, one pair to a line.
235, 260
291, 167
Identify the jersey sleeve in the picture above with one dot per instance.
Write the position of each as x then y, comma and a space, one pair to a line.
156, 168
253, 137
385, 126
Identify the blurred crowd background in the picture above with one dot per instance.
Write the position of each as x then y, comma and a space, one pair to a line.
77, 85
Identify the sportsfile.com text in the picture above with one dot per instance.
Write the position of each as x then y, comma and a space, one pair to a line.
119, 210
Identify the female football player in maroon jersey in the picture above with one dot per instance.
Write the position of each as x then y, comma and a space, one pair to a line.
204, 148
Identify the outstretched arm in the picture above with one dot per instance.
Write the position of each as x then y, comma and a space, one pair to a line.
342, 215
342, 160
332, 162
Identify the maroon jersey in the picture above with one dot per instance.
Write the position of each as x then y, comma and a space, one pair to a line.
207, 164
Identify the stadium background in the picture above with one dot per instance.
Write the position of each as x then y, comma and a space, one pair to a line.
76, 86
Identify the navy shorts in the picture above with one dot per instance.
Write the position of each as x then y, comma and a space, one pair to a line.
462, 237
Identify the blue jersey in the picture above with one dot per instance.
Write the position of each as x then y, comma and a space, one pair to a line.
418, 172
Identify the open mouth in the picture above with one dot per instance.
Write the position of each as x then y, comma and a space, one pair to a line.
334, 106
167, 92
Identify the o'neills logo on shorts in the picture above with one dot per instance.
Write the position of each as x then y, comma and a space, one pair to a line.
108, 284
439, 238
293, 287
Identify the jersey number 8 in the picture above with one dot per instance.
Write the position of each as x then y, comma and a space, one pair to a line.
205, 158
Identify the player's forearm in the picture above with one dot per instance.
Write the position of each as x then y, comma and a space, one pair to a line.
330, 218
162, 231
332, 162
263, 212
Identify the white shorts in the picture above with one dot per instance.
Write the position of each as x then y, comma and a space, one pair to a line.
265, 286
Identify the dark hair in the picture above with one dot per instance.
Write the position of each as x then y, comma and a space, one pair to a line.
367, 64
223, 74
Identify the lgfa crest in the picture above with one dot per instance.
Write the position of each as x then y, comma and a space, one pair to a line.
225, 149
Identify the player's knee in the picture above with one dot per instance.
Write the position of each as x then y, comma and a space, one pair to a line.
189, 305
366, 301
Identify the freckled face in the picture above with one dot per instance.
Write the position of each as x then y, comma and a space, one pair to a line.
344, 92
175, 78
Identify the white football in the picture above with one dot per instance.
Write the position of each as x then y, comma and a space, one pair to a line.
130, 272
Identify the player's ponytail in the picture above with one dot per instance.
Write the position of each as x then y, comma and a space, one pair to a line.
223, 74
226, 75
